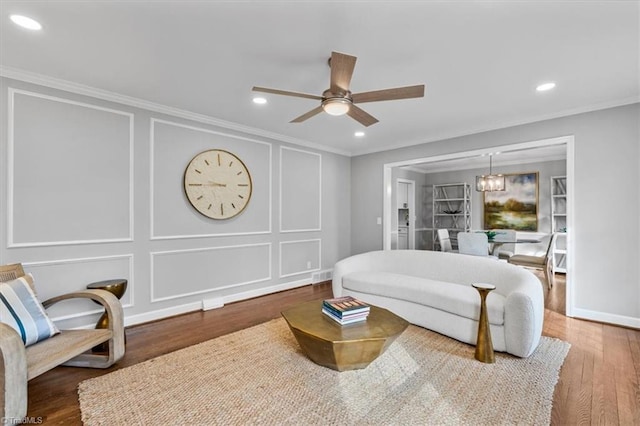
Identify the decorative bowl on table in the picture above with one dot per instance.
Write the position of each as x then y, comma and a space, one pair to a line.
491, 235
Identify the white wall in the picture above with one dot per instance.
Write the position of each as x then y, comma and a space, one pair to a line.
607, 202
92, 190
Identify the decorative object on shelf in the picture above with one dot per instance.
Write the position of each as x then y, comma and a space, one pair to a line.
218, 184
117, 287
515, 207
452, 211
484, 345
490, 182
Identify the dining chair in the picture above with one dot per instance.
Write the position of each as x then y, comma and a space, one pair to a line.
473, 243
543, 262
445, 240
506, 250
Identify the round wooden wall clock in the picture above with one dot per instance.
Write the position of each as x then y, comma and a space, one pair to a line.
217, 184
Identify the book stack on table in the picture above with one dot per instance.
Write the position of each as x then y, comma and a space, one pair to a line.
345, 310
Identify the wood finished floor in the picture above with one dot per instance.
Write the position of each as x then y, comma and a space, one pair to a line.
599, 381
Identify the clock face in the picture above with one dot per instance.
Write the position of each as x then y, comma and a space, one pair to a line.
217, 184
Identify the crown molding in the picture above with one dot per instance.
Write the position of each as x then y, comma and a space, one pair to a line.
504, 125
81, 89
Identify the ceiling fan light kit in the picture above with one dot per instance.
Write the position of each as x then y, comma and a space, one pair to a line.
336, 106
338, 100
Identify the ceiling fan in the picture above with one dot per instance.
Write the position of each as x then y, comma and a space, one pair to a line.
338, 99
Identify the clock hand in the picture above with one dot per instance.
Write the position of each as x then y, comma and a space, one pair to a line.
208, 184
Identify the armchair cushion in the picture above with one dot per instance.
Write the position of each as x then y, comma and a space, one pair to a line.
22, 311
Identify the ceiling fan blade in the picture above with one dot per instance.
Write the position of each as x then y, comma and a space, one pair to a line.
307, 115
389, 94
361, 116
341, 71
286, 93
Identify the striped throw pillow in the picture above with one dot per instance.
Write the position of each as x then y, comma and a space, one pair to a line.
21, 310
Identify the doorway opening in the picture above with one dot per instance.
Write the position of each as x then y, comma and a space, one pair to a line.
406, 215
456, 161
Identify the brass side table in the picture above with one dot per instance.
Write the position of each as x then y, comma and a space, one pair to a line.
484, 345
117, 287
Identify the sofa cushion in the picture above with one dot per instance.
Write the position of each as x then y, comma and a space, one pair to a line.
21, 310
458, 299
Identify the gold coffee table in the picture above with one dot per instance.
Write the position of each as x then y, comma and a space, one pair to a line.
342, 347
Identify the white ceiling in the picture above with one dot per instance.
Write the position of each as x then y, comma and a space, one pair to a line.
480, 60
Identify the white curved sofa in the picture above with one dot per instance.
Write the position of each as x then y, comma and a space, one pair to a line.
433, 290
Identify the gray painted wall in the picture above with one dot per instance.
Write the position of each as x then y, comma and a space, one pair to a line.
92, 190
607, 201
123, 214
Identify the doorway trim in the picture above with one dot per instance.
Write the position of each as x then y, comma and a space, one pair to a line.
568, 140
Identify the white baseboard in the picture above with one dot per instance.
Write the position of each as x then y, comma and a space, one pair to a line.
321, 276
264, 291
161, 313
196, 306
606, 318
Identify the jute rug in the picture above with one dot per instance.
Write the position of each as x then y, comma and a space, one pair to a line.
260, 376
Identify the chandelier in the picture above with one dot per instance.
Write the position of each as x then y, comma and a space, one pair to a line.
490, 182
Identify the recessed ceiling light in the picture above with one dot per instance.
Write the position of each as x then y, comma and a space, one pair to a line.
259, 101
26, 22
545, 86
359, 134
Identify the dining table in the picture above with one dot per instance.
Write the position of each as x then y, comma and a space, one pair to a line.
494, 244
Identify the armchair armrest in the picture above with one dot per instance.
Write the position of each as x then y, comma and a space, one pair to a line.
13, 374
110, 303
114, 311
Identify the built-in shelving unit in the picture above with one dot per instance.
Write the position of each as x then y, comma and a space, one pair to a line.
559, 222
451, 210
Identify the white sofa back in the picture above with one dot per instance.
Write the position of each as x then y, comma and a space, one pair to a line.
451, 267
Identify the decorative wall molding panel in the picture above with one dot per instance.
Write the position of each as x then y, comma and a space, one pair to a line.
56, 277
173, 145
72, 161
181, 273
300, 190
70, 171
300, 257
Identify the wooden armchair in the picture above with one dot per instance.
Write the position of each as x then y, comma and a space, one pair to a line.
19, 364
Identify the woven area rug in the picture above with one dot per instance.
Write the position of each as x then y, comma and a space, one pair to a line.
260, 376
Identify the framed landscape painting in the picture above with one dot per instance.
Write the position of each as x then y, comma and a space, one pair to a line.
516, 207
